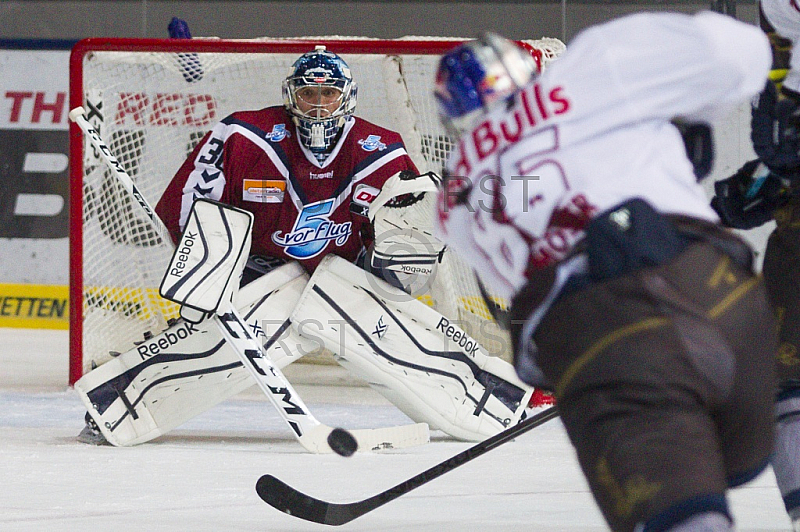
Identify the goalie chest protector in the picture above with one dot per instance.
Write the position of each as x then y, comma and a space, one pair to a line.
303, 211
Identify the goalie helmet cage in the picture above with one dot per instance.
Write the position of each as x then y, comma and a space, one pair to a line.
153, 99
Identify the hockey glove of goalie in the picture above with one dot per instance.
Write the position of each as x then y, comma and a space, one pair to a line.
405, 252
749, 197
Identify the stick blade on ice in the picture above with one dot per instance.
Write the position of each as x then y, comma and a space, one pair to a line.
288, 500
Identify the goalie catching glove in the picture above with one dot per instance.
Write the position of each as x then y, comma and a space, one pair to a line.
405, 252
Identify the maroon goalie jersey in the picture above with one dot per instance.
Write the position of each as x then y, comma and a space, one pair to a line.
303, 209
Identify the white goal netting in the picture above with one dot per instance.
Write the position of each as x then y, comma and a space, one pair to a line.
152, 100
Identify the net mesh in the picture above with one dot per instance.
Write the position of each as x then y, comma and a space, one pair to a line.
152, 107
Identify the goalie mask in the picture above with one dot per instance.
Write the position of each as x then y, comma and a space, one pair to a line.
320, 94
475, 76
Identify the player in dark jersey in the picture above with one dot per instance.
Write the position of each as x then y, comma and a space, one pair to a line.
321, 183
307, 170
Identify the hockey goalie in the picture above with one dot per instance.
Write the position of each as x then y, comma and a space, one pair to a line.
336, 258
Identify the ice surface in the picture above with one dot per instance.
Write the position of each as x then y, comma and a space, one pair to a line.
201, 477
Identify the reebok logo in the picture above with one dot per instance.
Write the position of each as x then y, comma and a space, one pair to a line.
165, 340
182, 255
424, 270
467, 344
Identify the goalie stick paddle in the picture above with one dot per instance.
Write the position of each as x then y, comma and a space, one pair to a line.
311, 434
285, 498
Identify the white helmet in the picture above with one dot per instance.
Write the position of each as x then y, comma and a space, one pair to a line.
473, 77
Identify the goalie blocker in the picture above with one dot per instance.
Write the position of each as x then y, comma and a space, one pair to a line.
207, 264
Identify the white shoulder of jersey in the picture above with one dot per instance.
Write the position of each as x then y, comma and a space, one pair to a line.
662, 65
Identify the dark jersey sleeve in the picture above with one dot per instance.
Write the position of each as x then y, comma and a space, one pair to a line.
206, 160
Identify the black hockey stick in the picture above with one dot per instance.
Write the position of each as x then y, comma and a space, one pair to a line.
285, 498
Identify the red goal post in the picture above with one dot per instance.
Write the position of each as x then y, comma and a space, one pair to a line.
153, 99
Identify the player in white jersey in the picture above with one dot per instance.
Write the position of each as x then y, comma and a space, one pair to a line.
574, 196
767, 189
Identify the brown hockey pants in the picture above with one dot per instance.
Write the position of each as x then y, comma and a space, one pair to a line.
665, 381
782, 279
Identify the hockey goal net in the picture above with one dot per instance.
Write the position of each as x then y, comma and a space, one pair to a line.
152, 100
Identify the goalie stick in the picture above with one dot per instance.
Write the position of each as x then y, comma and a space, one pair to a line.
311, 434
285, 498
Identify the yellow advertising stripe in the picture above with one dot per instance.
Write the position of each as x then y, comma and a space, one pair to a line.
47, 306
141, 303
34, 306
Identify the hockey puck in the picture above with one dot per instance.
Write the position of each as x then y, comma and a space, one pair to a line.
342, 442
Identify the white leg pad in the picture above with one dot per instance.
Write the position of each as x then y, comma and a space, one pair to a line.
182, 372
415, 357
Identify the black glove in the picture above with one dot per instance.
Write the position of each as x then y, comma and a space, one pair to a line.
775, 130
745, 202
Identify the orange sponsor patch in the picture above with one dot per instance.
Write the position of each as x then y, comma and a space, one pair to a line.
263, 190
